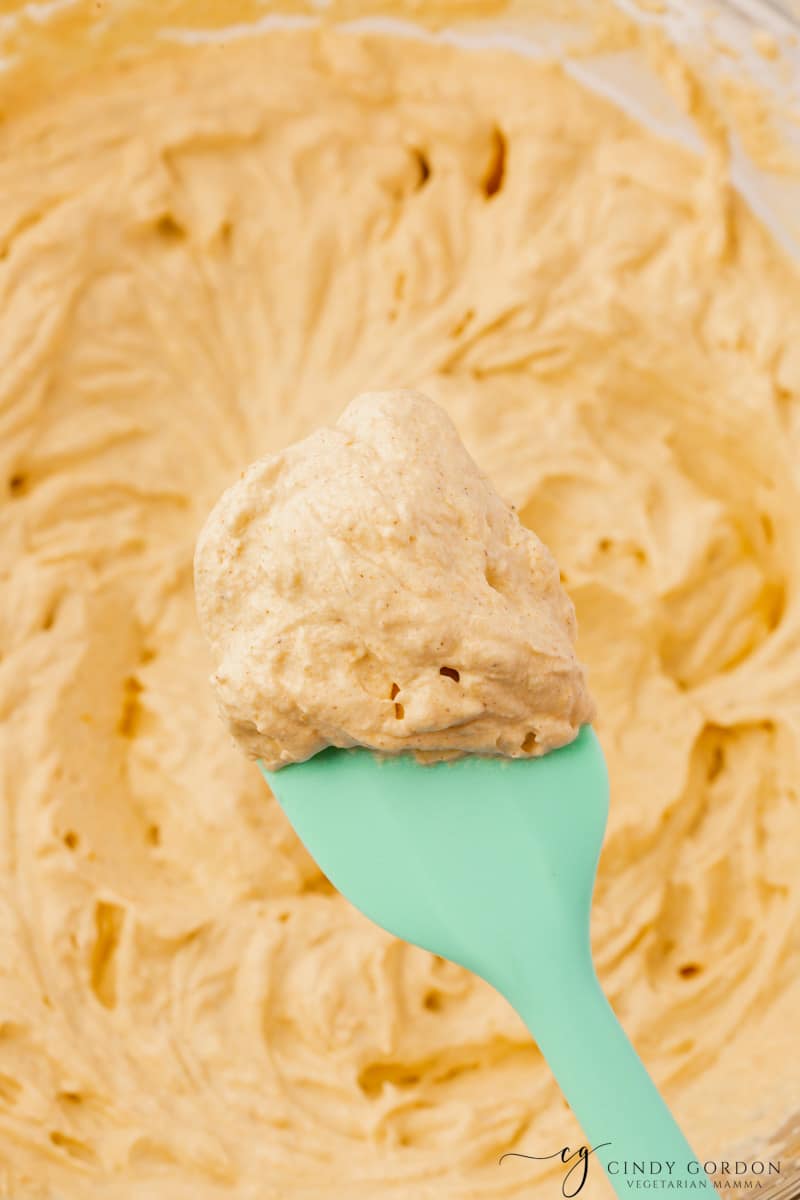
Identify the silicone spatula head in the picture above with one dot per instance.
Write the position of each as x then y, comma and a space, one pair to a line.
484, 861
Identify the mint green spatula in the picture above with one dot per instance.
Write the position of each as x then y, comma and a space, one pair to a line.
491, 863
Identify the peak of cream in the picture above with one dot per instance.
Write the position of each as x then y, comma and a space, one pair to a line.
368, 587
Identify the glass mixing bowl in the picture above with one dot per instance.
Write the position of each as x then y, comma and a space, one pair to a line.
741, 46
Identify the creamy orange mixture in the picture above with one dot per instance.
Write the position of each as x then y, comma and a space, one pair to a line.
368, 587
205, 255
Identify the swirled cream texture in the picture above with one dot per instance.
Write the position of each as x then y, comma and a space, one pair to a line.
203, 257
368, 587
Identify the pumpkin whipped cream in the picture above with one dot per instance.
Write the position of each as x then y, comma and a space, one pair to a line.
205, 253
368, 587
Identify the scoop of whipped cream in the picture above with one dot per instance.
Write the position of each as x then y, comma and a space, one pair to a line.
368, 587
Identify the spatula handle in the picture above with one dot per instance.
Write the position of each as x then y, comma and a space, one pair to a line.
606, 1085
